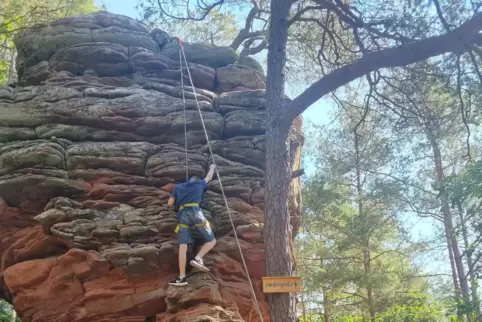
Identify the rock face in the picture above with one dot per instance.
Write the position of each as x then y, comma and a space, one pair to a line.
91, 145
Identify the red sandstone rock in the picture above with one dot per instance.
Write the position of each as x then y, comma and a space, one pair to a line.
81, 286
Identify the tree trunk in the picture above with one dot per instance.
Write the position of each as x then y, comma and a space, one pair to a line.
361, 214
326, 298
278, 261
14, 315
464, 287
12, 74
367, 267
449, 227
326, 304
277, 220
303, 306
452, 264
470, 265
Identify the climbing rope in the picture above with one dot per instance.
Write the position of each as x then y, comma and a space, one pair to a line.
253, 293
184, 107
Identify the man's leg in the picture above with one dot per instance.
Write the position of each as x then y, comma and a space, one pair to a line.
182, 260
181, 280
184, 236
209, 239
208, 234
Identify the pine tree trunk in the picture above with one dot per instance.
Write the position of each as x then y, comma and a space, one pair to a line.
303, 306
277, 219
367, 266
452, 264
464, 286
470, 265
326, 300
361, 214
12, 73
449, 227
278, 260
326, 309
440, 178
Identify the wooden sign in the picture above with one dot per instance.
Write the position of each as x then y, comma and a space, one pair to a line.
281, 284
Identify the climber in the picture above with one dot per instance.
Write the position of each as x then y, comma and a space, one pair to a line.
186, 197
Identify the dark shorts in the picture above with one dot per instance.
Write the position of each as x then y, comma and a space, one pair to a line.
191, 216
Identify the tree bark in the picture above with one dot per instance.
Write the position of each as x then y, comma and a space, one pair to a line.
277, 220
367, 267
326, 306
303, 306
464, 286
449, 226
361, 214
470, 265
12, 74
278, 260
326, 298
452, 263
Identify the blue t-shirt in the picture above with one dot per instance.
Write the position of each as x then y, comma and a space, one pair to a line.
189, 192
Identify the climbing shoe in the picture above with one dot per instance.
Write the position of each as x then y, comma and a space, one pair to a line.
198, 263
178, 282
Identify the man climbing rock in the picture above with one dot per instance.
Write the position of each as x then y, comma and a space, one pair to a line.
186, 197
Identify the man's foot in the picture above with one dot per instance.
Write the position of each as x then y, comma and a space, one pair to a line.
180, 281
198, 263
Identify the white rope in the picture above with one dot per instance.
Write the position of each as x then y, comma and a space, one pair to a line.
221, 186
185, 120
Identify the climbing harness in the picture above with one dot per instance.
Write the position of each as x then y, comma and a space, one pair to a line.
179, 226
189, 205
182, 56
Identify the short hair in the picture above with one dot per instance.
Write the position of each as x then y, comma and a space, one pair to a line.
194, 178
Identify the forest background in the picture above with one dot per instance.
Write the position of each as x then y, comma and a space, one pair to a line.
391, 227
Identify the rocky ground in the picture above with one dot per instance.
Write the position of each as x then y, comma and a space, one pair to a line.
91, 145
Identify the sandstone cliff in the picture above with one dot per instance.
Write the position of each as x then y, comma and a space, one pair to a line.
91, 145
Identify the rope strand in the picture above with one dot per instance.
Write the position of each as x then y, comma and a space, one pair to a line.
253, 293
184, 107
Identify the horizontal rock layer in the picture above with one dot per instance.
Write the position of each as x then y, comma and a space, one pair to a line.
91, 146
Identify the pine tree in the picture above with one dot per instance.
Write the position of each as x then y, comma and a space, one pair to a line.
352, 247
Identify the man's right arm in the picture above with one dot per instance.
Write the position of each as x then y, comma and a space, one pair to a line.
172, 199
210, 174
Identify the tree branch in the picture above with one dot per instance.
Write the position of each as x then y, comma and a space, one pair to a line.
206, 8
441, 16
297, 173
458, 40
248, 50
246, 33
299, 13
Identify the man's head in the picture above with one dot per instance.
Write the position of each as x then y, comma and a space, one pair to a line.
194, 178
